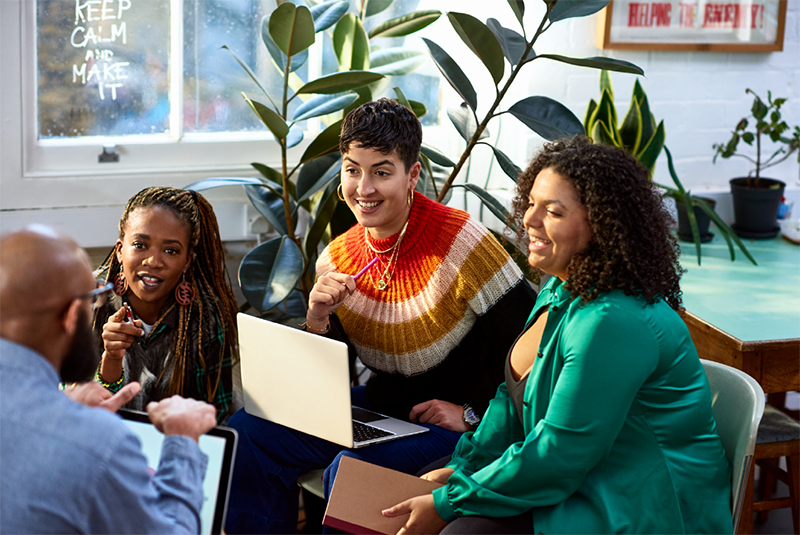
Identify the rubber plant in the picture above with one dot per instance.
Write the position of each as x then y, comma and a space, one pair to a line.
639, 134
275, 269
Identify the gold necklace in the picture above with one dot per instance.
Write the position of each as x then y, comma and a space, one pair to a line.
386, 277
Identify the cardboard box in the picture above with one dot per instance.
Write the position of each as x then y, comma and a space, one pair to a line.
362, 490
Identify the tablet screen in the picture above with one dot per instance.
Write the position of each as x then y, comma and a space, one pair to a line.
218, 445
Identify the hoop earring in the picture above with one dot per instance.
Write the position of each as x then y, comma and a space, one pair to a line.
184, 292
120, 283
339, 192
410, 198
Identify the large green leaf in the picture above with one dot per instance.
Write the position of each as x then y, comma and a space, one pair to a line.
597, 62
602, 134
350, 44
512, 43
494, 206
565, 9
272, 120
436, 157
464, 121
294, 137
587, 120
270, 206
269, 273
648, 122
292, 28
405, 25
377, 6
216, 182
453, 74
648, 155
418, 108
401, 97
547, 117
320, 222
506, 164
395, 61
630, 132
328, 13
518, 7
327, 141
275, 53
606, 113
606, 85
317, 174
340, 81
481, 41
323, 105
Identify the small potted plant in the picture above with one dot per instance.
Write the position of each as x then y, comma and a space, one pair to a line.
755, 197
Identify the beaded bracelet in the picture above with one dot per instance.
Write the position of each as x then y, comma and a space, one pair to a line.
305, 327
111, 386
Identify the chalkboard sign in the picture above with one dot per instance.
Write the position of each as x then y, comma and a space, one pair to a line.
103, 67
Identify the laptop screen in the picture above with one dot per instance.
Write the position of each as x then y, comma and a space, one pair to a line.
220, 446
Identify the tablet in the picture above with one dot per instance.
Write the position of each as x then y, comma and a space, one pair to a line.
220, 446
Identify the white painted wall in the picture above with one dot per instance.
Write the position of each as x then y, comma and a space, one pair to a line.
700, 96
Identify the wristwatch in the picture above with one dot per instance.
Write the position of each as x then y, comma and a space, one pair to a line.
470, 417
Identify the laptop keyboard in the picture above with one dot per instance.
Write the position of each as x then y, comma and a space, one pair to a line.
363, 432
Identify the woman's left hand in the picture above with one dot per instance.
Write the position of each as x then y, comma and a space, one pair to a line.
423, 518
441, 413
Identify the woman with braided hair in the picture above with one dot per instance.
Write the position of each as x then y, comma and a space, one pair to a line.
171, 325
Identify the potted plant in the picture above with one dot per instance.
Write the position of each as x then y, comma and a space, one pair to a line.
639, 135
756, 198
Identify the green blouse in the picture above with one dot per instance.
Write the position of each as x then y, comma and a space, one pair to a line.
616, 435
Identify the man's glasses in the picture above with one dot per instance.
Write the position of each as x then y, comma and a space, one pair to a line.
99, 295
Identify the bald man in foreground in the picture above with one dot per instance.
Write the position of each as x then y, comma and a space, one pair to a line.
66, 467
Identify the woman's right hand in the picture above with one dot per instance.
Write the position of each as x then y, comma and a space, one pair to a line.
440, 475
118, 335
327, 294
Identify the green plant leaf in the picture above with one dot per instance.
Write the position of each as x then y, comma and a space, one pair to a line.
630, 132
506, 164
216, 182
294, 137
566, 9
292, 28
328, 13
587, 120
495, 207
453, 74
405, 25
597, 62
648, 155
270, 206
464, 121
606, 85
340, 81
418, 108
327, 141
350, 44
481, 41
364, 96
547, 117
323, 105
648, 122
435, 156
269, 173
272, 120
759, 109
320, 223
317, 174
275, 53
396, 61
518, 7
606, 113
512, 43
602, 135
269, 273
377, 6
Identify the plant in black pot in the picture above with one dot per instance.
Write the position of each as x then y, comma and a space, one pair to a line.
755, 197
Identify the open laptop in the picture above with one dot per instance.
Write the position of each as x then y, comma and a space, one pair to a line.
220, 446
302, 381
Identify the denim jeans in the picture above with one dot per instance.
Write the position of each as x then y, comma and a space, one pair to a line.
270, 457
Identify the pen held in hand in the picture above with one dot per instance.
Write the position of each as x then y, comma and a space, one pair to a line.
365, 268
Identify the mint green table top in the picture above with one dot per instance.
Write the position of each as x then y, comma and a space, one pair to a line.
751, 303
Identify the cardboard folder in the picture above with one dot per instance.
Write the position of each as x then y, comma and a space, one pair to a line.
362, 490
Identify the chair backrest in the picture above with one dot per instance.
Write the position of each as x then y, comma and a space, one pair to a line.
738, 404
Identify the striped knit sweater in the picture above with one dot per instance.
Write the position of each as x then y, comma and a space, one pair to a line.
449, 276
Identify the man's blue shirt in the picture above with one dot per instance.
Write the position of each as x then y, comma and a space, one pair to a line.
67, 468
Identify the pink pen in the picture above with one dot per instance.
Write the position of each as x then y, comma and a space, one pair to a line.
365, 268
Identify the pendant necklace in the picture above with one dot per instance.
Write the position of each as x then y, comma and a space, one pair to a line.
388, 272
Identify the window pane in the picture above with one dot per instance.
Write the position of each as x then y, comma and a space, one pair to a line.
103, 67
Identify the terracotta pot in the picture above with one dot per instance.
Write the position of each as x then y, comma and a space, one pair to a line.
755, 209
703, 221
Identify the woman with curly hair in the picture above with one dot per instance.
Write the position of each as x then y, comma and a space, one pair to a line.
172, 324
604, 423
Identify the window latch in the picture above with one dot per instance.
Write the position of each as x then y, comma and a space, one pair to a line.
108, 155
